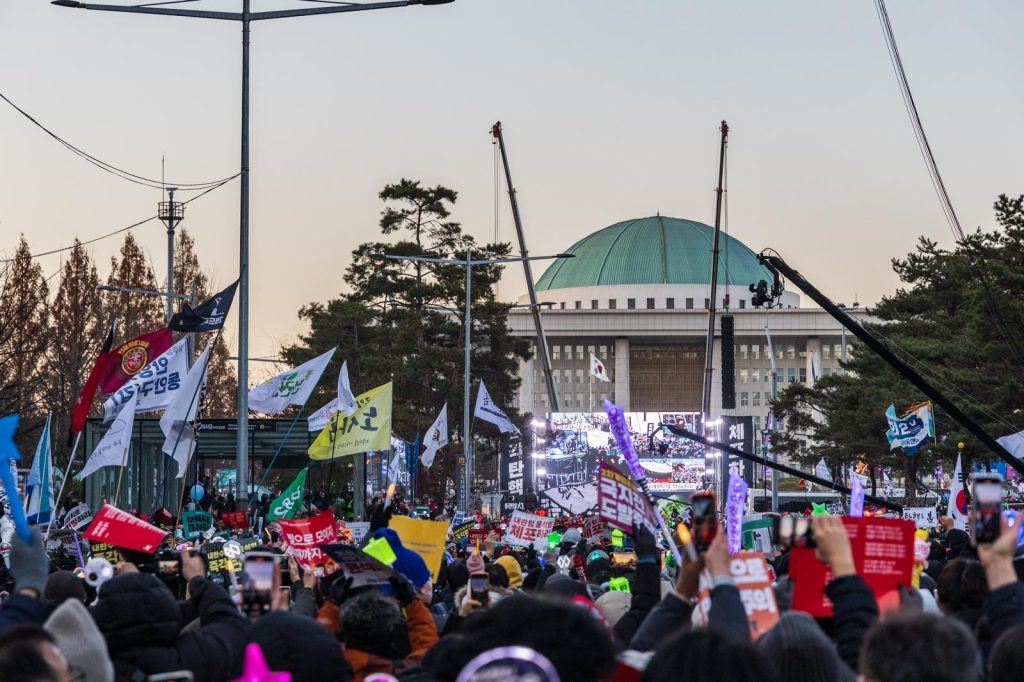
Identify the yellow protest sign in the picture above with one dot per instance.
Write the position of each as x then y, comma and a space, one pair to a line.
367, 430
426, 538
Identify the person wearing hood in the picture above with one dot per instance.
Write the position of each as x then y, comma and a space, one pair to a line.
142, 624
77, 636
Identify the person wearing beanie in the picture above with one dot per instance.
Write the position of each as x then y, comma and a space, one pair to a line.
572, 536
513, 570
475, 564
561, 585
409, 563
800, 648
78, 638
614, 605
299, 646
369, 621
64, 585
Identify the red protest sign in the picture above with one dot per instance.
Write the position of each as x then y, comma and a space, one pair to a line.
119, 528
594, 529
618, 500
883, 553
304, 537
235, 519
477, 534
749, 571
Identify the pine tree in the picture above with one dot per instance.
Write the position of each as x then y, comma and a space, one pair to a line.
136, 313
76, 331
23, 341
189, 279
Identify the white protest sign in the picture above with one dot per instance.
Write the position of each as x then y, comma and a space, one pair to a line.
528, 530
923, 517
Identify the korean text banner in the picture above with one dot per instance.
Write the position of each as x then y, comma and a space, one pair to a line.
367, 430
304, 537
618, 501
529, 530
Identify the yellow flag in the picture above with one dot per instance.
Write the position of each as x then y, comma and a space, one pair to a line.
368, 429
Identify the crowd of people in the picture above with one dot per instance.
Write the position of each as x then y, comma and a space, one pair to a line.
573, 610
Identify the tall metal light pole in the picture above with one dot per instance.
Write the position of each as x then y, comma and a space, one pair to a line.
469, 264
245, 17
171, 212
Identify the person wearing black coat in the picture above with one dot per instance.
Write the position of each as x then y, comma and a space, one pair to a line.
142, 625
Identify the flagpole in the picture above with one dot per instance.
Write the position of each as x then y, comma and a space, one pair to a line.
281, 446
67, 472
124, 461
590, 399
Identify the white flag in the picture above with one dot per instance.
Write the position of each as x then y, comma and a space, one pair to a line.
1014, 443
597, 368
437, 437
394, 467
489, 412
178, 420
156, 384
958, 498
821, 470
113, 448
346, 400
291, 387
318, 420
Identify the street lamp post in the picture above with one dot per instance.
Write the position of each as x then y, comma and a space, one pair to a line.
469, 264
246, 16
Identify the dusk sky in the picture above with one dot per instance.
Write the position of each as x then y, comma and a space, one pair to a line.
611, 111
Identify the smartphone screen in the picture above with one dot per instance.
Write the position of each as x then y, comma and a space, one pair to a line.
169, 566
259, 574
705, 520
478, 588
987, 508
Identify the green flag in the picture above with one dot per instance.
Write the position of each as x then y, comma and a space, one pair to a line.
288, 504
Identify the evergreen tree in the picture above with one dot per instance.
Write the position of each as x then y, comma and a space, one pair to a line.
404, 322
189, 279
958, 322
76, 332
136, 313
23, 341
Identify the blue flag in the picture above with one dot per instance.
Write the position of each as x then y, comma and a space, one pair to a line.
39, 487
911, 431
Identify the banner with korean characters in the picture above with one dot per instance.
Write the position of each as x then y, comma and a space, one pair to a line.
304, 537
924, 517
749, 571
618, 501
595, 529
529, 530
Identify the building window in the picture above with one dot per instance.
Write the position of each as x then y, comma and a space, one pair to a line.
744, 399
611, 304
839, 351
562, 305
791, 375
689, 304
579, 353
755, 376
579, 376
670, 303
743, 351
650, 304
826, 352
755, 352
826, 371
743, 303
579, 305
803, 375
757, 399
593, 305
757, 422
556, 352
791, 351
707, 304
631, 303
744, 376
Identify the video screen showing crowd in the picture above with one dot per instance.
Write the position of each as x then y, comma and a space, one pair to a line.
570, 446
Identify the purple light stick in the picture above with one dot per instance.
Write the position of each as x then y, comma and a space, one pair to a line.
856, 497
734, 508
617, 423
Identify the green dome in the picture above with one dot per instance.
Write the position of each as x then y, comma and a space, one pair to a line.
655, 250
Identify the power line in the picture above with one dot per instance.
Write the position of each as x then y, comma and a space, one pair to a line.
112, 169
940, 187
123, 229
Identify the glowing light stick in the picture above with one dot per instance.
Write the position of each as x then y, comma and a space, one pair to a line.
617, 422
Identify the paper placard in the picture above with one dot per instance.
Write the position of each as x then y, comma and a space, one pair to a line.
426, 538
304, 536
883, 553
526, 530
619, 502
924, 517
121, 529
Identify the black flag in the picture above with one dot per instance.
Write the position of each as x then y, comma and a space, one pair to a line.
207, 316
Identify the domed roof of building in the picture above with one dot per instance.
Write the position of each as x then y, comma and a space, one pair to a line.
654, 250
